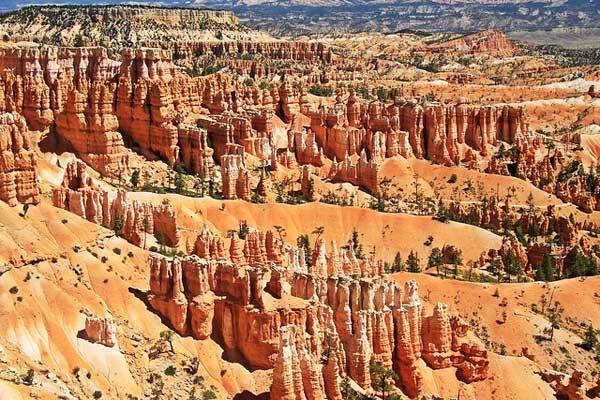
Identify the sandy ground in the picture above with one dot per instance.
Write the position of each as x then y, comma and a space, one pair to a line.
475, 303
68, 274
389, 233
66, 263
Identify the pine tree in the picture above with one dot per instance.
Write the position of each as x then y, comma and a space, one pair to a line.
356, 246
135, 178
590, 339
398, 265
530, 203
304, 242
436, 259
456, 258
583, 266
546, 270
381, 377
555, 318
118, 225
311, 190
413, 262
319, 230
512, 265
179, 182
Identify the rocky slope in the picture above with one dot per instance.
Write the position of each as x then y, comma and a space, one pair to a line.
239, 229
120, 26
298, 17
424, 15
112, 322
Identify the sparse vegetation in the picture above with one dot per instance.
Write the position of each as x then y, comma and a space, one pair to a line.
321, 91
170, 371
413, 262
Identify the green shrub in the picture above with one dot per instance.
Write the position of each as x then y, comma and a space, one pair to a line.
320, 90
170, 370
209, 395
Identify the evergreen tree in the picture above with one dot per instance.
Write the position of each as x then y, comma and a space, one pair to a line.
243, 229
78, 41
319, 230
501, 151
590, 339
398, 265
303, 241
381, 377
118, 225
179, 182
555, 318
546, 271
436, 259
443, 214
582, 266
356, 246
512, 265
413, 262
135, 178
495, 267
25, 209
530, 203
348, 392
456, 258
311, 189
519, 234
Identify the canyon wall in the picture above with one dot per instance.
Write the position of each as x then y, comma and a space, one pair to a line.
312, 324
132, 220
99, 107
18, 164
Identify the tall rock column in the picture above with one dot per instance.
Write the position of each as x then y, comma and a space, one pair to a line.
18, 166
287, 378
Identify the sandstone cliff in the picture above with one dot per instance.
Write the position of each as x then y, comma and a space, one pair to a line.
132, 220
310, 328
18, 165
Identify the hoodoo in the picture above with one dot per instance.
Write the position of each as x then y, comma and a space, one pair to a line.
235, 204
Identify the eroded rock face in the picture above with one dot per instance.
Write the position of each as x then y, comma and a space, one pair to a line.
311, 328
363, 173
236, 181
511, 244
443, 133
569, 387
132, 220
209, 245
491, 41
551, 173
296, 374
181, 292
95, 103
18, 165
543, 222
101, 330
